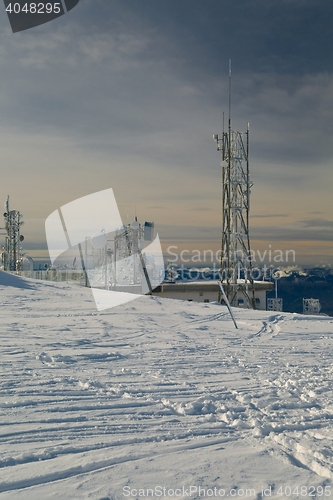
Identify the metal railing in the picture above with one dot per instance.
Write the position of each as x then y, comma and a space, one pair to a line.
76, 277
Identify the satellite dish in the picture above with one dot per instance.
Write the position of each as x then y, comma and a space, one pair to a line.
21, 237
135, 225
99, 240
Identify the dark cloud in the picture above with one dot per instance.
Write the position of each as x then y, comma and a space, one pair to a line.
268, 216
283, 37
291, 234
318, 223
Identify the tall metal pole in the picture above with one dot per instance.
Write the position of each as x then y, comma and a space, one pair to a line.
229, 193
249, 185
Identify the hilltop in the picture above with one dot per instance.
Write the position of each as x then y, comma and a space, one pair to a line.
160, 394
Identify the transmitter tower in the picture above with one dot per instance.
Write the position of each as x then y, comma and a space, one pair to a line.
12, 254
236, 278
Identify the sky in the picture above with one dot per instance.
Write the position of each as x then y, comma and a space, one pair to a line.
127, 95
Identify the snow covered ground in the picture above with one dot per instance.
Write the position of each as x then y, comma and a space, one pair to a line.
160, 394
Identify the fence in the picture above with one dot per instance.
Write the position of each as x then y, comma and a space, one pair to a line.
75, 277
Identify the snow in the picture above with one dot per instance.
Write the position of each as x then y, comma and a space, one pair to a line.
160, 393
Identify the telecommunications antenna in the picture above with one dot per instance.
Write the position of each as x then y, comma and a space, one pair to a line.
236, 260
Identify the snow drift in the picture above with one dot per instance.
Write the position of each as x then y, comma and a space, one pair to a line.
160, 398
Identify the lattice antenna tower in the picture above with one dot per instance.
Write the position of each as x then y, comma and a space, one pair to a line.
13, 244
236, 261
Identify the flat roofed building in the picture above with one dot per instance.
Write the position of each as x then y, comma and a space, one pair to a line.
207, 291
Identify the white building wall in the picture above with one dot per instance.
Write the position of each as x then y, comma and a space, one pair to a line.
206, 292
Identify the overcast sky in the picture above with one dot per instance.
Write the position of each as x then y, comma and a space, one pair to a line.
127, 95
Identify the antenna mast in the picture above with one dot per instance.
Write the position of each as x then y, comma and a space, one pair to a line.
236, 260
12, 255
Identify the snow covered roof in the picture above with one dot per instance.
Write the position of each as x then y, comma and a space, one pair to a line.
259, 285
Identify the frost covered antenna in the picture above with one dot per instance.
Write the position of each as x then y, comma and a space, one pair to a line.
12, 255
236, 261
311, 306
276, 303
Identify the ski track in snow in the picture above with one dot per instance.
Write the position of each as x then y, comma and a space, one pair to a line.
84, 392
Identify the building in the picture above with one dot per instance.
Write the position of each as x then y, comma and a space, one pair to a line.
208, 291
